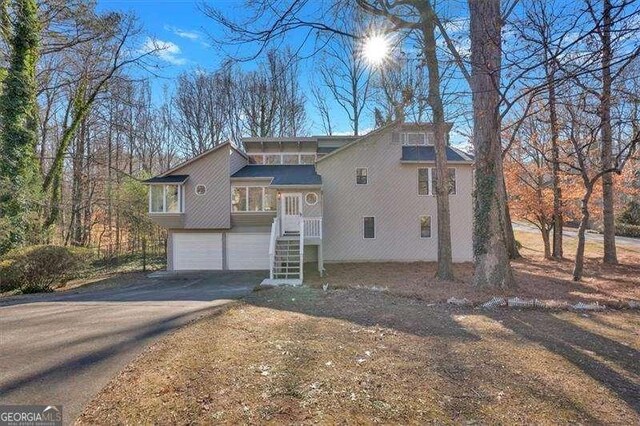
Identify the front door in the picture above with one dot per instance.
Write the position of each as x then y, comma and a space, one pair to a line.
291, 209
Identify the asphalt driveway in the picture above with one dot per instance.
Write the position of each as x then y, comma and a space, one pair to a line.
63, 348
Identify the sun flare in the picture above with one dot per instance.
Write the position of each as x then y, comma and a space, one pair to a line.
375, 49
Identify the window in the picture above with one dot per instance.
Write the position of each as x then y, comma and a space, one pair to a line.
256, 159
311, 198
290, 159
361, 176
416, 138
239, 200
201, 189
165, 199
451, 172
423, 181
425, 226
272, 159
253, 199
270, 199
287, 158
369, 227
307, 158
427, 181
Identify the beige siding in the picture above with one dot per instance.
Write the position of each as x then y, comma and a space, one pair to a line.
236, 161
213, 209
391, 196
168, 220
252, 218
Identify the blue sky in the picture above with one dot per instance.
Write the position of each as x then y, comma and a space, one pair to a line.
185, 33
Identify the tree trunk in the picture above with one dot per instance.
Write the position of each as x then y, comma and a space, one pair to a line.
555, 160
490, 249
445, 262
609, 232
584, 223
510, 237
545, 239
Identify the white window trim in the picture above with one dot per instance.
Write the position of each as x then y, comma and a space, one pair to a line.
281, 154
366, 169
307, 202
430, 188
428, 169
164, 198
375, 230
246, 201
430, 226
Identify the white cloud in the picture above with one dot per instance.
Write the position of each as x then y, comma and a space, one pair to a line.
164, 50
191, 35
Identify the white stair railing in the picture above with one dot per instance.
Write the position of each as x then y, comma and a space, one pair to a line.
302, 226
275, 233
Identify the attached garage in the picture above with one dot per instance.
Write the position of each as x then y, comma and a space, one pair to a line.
248, 251
197, 251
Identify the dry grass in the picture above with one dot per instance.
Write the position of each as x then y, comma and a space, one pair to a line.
301, 355
353, 356
536, 277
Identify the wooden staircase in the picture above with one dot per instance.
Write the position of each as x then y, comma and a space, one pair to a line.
287, 259
286, 253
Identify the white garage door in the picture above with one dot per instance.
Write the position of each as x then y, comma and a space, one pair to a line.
248, 251
194, 251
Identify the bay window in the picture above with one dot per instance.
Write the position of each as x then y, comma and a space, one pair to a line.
165, 199
253, 199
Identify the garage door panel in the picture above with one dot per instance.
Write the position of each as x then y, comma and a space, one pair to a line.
195, 251
248, 251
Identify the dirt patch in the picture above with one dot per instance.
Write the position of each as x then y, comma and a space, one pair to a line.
536, 277
301, 355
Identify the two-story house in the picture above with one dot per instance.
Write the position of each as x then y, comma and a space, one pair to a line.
276, 203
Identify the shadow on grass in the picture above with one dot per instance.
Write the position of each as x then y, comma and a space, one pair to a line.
590, 352
582, 348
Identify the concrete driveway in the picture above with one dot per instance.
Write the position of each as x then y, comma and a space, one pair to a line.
63, 348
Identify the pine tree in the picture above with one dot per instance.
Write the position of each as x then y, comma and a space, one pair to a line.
19, 168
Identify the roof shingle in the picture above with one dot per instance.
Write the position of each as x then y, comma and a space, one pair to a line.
167, 179
281, 174
428, 154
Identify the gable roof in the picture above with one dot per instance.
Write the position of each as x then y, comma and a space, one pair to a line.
204, 154
304, 174
350, 144
427, 153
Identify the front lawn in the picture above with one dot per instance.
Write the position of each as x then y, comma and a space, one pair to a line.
380, 346
302, 355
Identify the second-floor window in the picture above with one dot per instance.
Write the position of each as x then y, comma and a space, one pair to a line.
165, 199
427, 180
361, 176
253, 199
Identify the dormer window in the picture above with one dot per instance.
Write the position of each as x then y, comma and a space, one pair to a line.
416, 138
165, 199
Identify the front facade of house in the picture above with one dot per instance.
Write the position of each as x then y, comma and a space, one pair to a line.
282, 202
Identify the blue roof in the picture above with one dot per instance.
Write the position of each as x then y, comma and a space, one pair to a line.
428, 154
304, 174
167, 179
